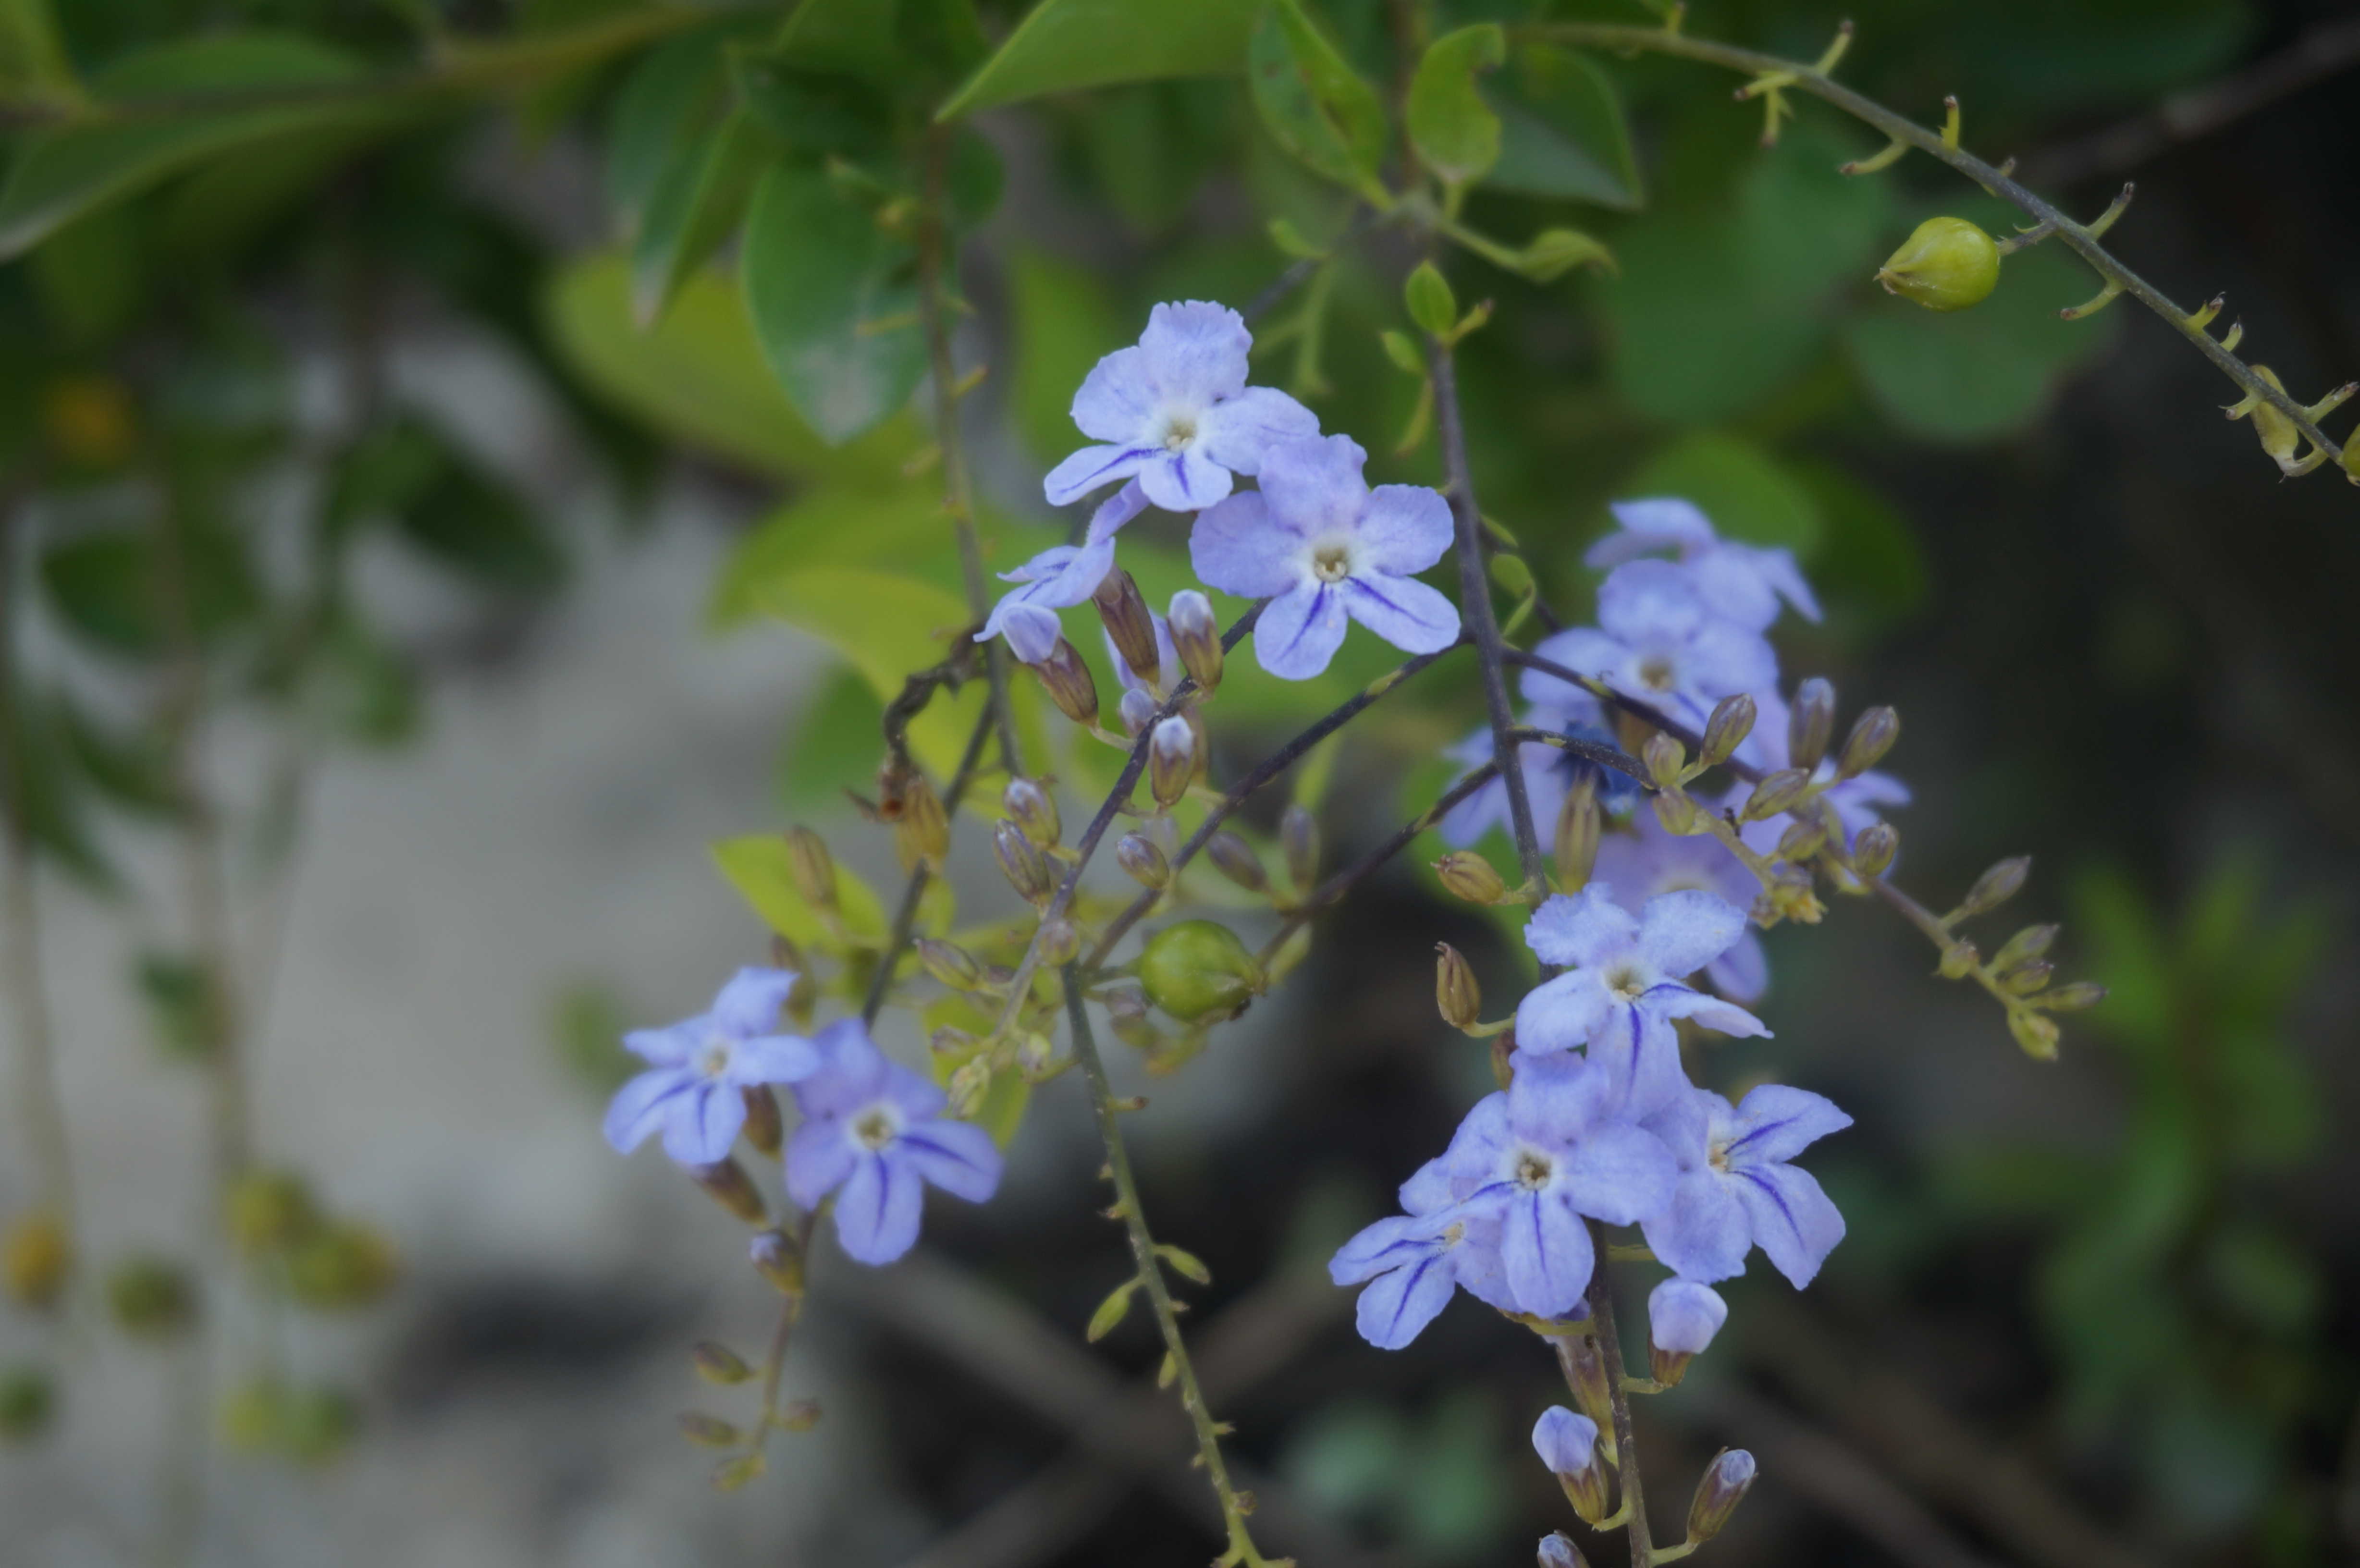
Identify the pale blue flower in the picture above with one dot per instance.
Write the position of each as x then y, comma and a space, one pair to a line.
1323, 548
695, 1091
1683, 1316
1411, 1263
1058, 577
1566, 1439
1651, 860
1736, 1190
1550, 774
874, 1135
1659, 641
1742, 582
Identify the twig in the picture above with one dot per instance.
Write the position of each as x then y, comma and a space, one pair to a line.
1344, 881
905, 915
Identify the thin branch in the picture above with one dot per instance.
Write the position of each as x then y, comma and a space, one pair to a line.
2078, 236
1646, 712
905, 915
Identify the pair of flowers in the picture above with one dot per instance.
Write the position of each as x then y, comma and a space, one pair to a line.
1600, 1121
873, 1133
1180, 425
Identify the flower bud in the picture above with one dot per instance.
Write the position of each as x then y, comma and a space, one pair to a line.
1197, 637
968, 1087
1665, 758
1776, 793
1959, 960
1299, 840
1947, 264
1136, 710
2027, 978
1022, 864
1995, 886
150, 1297
1731, 721
1060, 942
1130, 625
1234, 858
1811, 723
1068, 683
2036, 1032
1682, 1318
1034, 809
922, 835
2029, 944
1557, 1552
267, 1210
726, 1184
1584, 1366
763, 1129
1724, 1486
1801, 841
1577, 825
1873, 851
1171, 759
953, 1045
1470, 877
947, 962
777, 1259
2071, 999
28, 1402
1456, 996
1568, 1444
1198, 969
37, 1260
709, 1432
1676, 813
718, 1365
1873, 734
1292, 949
813, 867
1143, 862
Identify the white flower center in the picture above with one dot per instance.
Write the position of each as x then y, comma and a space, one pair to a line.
1179, 431
878, 1126
1532, 1170
1627, 981
712, 1061
1331, 560
1655, 672
1716, 1155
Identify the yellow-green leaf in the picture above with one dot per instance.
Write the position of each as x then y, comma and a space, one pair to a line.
758, 866
1111, 1311
1454, 130
1062, 45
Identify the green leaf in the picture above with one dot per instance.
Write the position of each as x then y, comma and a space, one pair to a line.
833, 303
1066, 44
70, 169
885, 624
229, 202
759, 868
42, 793
1111, 1311
813, 113
1065, 323
443, 502
133, 771
672, 94
1312, 102
90, 276
1981, 374
1426, 293
833, 745
696, 203
105, 587
1562, 131
1747, 493
903, 530
33, 64
1454, 130
698, 377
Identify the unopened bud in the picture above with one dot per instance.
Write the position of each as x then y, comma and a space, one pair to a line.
1959, 961
1136, 710
1682, 1318
1299, 840
1171, 759
718, 1365
1456, 996
151, 1297
1810, 724
922, 835
1776, 793
968, 1086
2036, 1032
1292, 949
1034, 809
1665, 758
1060, 942
1130, 626
1033, 1053
1577, 825
1731, 721
1724, 1486
764, 1130
709, 1432
1586, 1373
2071, 999
1568, 1444
1068, 683
1676, 811
1557, 1552
267, 1210
1873, 851
1195, 636
1470, 877
1503, 1066
777, 1259
952, 1044
1873, 734
1946, 264
1198, 969
1143, 862
725, 1181
1801, 841
1234, 858
1026, 870
2030, 942
2027, 978
947, 962
813, 867
37, 1261
1995, 886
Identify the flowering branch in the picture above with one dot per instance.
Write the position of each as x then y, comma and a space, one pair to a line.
1771, 74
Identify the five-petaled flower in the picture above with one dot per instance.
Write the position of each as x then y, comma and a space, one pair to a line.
1322, 547
695, 1090
1410, 1264
1736, 1190
1624, 987
874, 1135
1742, 582
1652, 860
1657, 640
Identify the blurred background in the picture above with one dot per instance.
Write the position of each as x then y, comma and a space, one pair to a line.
393, 620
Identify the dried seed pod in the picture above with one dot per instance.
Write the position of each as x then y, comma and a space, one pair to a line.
1664, 757
1873, 851
1776, 793
1995, 886
1726, 1481
947, 962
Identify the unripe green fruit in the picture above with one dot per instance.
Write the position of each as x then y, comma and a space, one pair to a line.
1198, 969
1948, 263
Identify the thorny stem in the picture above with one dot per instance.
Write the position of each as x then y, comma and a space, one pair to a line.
2079, 237
1241, 1552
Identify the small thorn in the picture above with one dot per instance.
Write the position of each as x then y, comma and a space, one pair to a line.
2008, 169
1884, 159
1950, 122
2233, 336
2092, 306
2201, 317
2115, 210
2332, 402
1835, 52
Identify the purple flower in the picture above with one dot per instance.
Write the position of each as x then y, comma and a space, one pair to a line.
695, 1090
1736, 1190
1742, 582
1566, 1442
1659, 640
1623, 986
1683, 1316
1550, 774
1411, 1263
1176, 414
1653, 861
1531, 1161
874, 1134
1321, 546
1857, 800
1059, 576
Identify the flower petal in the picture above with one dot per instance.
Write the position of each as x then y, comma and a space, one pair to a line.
643, 1104
1116, 401
705, 1124
1561, 1014
1587, 929
773, 1059
1313, 486
1668, 1001
1680, 932
1235, 547
1113, 512
1618, 1173
819, 1157
670, 1045
1650, 523
1404, 528
1300, 631
1388, 1244
877, 1212
1743, 974
749, 1005
1641, 1052
1567, 1442
1683, 1316
1236, 431
1648, 600
1033, 631
1546, 1249
1092, 466
1704, 1232
853, 1073
1183, 481
1195, 353
1584, 651
1779, 1123
957, 1156
1794, 1222
1725, 659
1400, 1303
1402, 610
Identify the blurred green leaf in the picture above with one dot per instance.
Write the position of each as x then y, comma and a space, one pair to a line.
132, 770
886, 626
813, 114
442, 502
1062, 45
902, 529
1065, 323
1747, 493
228, 204
91, 276
833, 303
672, 94
696, 203
1869, 568
108, 587
1312, 102
759, 868
34, 68
41, 789
1562, 131
833, 745
1454, 130
586, 1023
